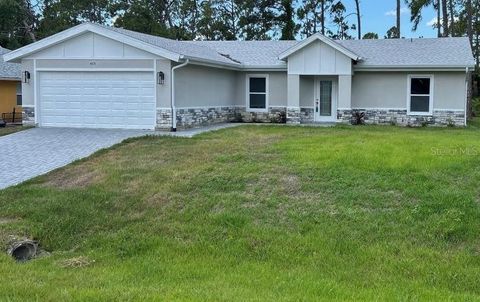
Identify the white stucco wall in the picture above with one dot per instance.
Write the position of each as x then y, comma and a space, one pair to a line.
344, 91
200, 86
164, 94
319, 58
92, 63
307, 95
27, 88
450, 90
389, 90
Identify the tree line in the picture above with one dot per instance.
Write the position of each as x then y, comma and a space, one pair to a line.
24, 21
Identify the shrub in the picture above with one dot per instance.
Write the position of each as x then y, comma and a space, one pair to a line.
476, 106
358, 118
450, 123
423, 122
279, 118
237, 118
393, 121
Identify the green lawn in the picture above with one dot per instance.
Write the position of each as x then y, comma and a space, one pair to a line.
475, 122
256, 213
12, 129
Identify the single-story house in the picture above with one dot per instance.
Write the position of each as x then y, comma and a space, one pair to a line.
10, 87
103, 77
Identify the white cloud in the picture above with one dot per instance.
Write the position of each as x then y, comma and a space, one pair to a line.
432, 22
393, 12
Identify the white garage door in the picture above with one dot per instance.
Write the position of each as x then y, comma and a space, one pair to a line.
97, 99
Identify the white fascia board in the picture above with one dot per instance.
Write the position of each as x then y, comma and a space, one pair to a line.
212, 63
323, 39
15, 55
236, 67
410, 68
282, 67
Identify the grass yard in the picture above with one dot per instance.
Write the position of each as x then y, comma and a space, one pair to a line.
475, 122
12, 129
256, 213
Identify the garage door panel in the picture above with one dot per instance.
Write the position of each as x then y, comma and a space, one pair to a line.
97, 99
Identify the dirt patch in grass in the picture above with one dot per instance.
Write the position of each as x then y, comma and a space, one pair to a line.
79, 176
5, 220
158, 199
274, 182
76, 262
291, 184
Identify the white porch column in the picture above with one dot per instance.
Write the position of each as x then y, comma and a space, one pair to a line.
293, 101
345, 92
344, 98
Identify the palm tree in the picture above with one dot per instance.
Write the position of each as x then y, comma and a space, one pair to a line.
416, 7
399, 11
359, 19
469, 20
445, 18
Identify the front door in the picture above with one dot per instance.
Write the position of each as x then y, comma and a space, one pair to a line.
325, 101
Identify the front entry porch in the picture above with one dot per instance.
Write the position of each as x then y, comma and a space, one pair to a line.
318, 98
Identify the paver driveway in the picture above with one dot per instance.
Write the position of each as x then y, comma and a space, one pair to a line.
33, 152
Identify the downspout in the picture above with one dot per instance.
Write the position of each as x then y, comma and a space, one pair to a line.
174, 110
467, 82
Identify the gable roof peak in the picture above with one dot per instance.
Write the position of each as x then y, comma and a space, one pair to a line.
322, 38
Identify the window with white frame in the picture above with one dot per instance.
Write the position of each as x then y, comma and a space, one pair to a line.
420, 92
257, 92
19, 94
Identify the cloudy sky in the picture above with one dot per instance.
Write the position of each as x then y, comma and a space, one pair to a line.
379, 15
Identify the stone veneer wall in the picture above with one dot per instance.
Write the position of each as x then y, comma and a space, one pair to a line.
196, 117
274, 115
294, 115
400, 117
307, 116
164, 119
193, 117
28, 116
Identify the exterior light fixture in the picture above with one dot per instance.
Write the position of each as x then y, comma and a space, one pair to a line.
26, 76
160, 78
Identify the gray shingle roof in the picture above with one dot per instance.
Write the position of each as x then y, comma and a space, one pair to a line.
251, 53
441, 52
8, 70
412, 52
180, 47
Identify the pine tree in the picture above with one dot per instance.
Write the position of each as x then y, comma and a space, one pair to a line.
257, 19
312, 16
337, 13
286, 21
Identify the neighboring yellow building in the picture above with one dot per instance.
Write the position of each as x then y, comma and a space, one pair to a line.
10, 88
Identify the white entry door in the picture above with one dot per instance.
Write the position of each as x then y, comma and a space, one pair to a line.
124, 100
325, 100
